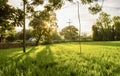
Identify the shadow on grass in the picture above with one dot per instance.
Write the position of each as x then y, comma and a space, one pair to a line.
40, 65
21, 55
25, 64
6, 61
45, 54
45, 58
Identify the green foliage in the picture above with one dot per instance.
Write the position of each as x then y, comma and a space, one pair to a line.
51, 37
55, 36
19, 35
106, 28
95, 8
86, 37
88, 1
41, 19
70, 33
102, 29
5, 26
10, 38
116, 27
18, 17
37, 2
2, 2
9, 17
62, 60
56, 4
43, 23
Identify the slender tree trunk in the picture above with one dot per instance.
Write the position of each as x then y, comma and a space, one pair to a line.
24, 32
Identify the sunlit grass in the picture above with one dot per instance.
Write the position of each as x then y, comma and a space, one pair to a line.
96, 59
35, 51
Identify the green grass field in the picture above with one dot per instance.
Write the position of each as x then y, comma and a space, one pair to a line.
96, 59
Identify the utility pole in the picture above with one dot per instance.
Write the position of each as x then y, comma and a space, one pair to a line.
24, 32
79, 26
69, 22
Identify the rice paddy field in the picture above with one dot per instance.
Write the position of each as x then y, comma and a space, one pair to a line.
64, 59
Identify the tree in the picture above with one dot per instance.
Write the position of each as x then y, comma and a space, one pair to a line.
11, 36
102, 29
19, 35
96, 36
116, 27
84, 36
70, 33
52, 36
55, 36
43, 23
51, 6
9, 17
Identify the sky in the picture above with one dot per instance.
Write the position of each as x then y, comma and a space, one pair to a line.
69, 13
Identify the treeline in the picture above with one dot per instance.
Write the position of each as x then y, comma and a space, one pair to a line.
67, 34
106, 28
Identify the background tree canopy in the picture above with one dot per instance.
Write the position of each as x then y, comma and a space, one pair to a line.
105, 28
70, 33
42, 21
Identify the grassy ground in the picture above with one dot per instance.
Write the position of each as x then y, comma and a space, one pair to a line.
96, 59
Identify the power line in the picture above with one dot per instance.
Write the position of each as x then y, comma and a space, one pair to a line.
69, 23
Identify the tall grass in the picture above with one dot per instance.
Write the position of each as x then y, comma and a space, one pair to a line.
96, 59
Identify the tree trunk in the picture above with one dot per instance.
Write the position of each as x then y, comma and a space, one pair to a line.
24, 32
